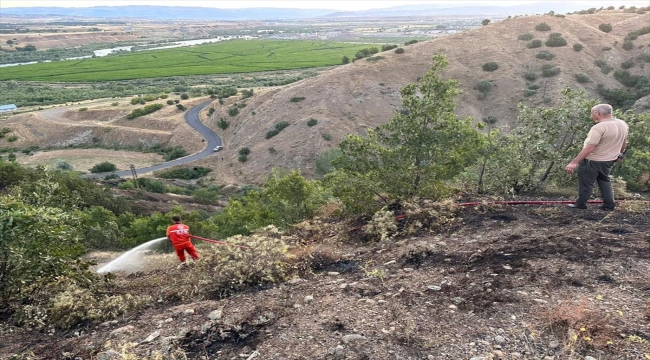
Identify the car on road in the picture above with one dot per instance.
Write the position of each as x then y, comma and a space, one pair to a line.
218, 148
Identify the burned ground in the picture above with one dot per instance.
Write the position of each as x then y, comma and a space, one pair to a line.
506, 282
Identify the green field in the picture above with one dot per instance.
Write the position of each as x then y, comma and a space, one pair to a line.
228, 57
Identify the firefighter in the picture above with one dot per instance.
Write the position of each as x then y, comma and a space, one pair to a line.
179, 236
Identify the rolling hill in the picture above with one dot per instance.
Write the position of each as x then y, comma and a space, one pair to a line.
364, 94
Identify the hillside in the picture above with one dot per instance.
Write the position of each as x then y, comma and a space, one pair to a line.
361, 95
364, 94
489, 282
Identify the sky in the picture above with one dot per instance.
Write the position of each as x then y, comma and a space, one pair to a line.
348, 5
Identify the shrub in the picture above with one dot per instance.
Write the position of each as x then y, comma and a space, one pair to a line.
606, 48
542, 27
233, 111
399, 51
605, 27
627, 64
365, 53
244, 151
483, 86
175, 153
578, 47
150, 97
490, 66
185, 96
530, 76
582, 78
529, 93
628, 45
181, 107
115, 104
144, 111
326, 136
272, 150
247, 93
550, 70
12, 138
374, 58
4, 131
63, 165
312, 122
242, 158
534, 44
136, 100
525, 37
103, 167
533, 86
388, 47
281, 125
555, 40
271, 133
485, 22
410, 42
83, 109
170, 102
296, 99
223, 124
545, 54
152, 185
188, 173
345, 60
211, 111
645, 57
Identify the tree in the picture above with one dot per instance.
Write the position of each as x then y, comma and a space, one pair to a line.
485, 22
185, 96
423, 145
541, 143
345, 60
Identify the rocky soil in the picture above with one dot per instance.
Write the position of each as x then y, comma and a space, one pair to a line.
493, 282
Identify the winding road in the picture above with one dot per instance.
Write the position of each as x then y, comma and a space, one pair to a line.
192, 119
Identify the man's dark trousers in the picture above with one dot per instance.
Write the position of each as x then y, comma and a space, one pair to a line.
590, 171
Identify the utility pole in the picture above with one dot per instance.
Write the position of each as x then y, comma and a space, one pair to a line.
134, 174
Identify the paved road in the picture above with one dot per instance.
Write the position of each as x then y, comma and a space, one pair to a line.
192, 118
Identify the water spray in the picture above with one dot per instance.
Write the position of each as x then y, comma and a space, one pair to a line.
132, 259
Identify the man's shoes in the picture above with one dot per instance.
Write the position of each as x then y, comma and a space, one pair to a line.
606, 208
182, 265
576, 206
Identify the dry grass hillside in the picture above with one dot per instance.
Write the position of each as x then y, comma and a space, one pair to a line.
364, 94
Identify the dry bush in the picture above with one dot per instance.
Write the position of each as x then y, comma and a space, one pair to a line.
620, 188
382, 226
254, 260
582, 325
635, 207
76, 305
548, 212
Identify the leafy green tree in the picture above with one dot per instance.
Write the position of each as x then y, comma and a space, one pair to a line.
99, 229
40, 246
635, 168
421, 147
541, 143
293, 197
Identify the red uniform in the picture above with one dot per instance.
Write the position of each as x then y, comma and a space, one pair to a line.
179, 235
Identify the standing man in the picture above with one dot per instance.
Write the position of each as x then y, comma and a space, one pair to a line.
605, 145
179, 235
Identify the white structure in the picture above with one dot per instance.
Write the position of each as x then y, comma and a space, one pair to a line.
8, 108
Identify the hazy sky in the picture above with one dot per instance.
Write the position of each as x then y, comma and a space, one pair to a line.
349, 5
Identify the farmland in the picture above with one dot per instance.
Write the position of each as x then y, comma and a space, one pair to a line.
239, 56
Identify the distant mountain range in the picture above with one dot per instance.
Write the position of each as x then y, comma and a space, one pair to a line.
201, 13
